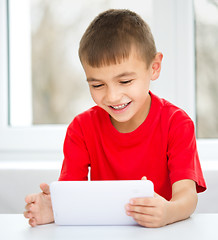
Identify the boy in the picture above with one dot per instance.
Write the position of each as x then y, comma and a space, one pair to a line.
131, 133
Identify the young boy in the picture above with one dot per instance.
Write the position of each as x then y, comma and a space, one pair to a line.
131, 134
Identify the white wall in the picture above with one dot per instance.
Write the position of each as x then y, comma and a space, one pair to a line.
208, 201
15, 184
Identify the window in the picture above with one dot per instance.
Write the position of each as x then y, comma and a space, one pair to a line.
206, 17
42, 84
206, 30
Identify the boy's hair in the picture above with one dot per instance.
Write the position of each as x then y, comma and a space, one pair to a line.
111, 36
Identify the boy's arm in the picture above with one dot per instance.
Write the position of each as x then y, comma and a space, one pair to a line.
158, 212
184, 200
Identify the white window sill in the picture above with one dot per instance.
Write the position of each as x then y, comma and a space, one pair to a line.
34, 165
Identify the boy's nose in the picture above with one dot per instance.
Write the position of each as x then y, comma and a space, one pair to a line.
113, 96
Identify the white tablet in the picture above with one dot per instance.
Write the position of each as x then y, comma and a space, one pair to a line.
96, 202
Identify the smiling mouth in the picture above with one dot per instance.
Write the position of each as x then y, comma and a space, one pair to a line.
120, 107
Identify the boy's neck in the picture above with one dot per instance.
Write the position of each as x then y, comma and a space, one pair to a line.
134, 123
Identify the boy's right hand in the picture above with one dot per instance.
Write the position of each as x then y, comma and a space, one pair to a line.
39, 207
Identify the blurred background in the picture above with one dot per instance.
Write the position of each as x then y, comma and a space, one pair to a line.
58, 87
206, 49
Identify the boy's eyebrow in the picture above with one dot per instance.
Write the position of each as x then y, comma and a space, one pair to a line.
93, 80
124, 74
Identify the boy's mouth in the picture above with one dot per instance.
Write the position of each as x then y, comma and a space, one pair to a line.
121, 106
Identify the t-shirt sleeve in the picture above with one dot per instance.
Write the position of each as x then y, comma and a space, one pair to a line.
183, 160
76, 158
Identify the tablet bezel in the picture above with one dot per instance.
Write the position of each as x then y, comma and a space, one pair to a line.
96, 202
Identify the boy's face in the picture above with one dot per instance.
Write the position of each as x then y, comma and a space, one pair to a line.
122, 90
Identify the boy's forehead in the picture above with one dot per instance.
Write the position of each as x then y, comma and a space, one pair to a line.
126, 67
111, 71
121, 75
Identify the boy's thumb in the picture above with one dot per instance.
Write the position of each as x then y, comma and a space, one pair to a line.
45, 188
144, 178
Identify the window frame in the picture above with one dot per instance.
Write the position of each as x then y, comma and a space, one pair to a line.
177, 16
24, 143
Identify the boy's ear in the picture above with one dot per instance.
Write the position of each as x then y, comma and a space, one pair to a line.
156, 66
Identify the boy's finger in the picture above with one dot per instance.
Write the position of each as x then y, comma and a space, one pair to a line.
27, 214
30, 198
45, 188
140, 209
142, 219
28, 206
146, 201
144, 178
32, 222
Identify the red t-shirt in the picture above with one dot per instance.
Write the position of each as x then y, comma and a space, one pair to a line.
162, 148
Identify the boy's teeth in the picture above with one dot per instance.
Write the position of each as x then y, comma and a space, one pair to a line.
120, 106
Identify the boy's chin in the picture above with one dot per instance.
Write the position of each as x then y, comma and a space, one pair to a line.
119, 120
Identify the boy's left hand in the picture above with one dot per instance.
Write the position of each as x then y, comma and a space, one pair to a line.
157, 211
149, 212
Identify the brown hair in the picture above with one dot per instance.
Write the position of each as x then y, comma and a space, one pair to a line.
111, 36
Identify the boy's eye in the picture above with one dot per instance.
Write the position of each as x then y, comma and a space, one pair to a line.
125, 82
97, 86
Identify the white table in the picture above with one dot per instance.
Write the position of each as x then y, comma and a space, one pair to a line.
199, 227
